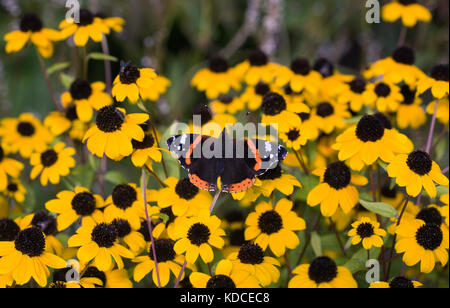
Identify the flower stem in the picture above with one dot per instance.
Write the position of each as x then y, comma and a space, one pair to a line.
108, 74
433, 123
47, 81
402, 36
157, 142
373, 186
333, 226
155, 176
302, 161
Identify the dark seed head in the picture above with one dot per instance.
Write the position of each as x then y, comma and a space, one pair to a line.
358, 85
185, 189
262, 89
429, 236
273, 104
382, 90
325, 109
204, 112
404, 55
387, 192
104, 235
164, 250
45, 222
71, 113
271, 174
129, 74
93, 272
26, 129
365, 230
270, 222
30, 22
420, 162
401, 283
80, 89
430, 215
147, 143
293, 134
440, 72
168, 211
86, 17
199, 234
30, 242
218, 65
109, 119
58, 285
304, 116
324, 67
8, 230
226, 99
251, 254
409, 95
383, 120
237, 237
124, 196
407, 2
300, 66
369, 128
49, 158
122, 226
220, 282
258, 58
322, 269
59, 275
337, 175
83, 204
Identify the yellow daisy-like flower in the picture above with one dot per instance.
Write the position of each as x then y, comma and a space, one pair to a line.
422, 242
48, 225
217, 79
384, 96
130, 236
355, 94
415, 171
158, 88
398, 282
24, 134
25, 257
60, 122
115, 279
438, 82
274, 227
322, 273
52, 163
8, 166
410, 112
299, 76
408, 11
257, 68
74, 205
226, 277
89, 26
168, 262
277, 112
83, 283
208, 124
333, 82
442, 112
335, 189
368, 231
15, 190
372, 138
99, 241
251, 259
113, 132
445, 209
86, 97
114, 23
329, 116
31, 29
253, 95
145, 150
132, 83
197, 234
227, 104
294, 137
277, 179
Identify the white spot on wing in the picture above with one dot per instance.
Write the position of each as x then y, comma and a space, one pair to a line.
268, 147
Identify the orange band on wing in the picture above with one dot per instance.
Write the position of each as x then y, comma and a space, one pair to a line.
255, 151
238, 187
191, 149
199, 182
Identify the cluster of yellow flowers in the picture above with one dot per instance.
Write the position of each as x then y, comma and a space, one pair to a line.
348, 154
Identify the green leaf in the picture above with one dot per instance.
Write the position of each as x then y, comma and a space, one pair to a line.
381, 208
66, 80
353, 120
57, 67
382, 164
164, 217
115, 177
441, 190
101, 56
82, 175
308, 183
358, 261
316, 244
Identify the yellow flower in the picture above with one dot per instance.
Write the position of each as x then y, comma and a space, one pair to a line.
442, 112
145, 150
277, 112
386, 97
115, 279
15, 190
410, 112
132, 82
52, 163
299, 76
355, 94
227, 104
129, 235
408, 11
159, 87
368, 231
329, 115
113, 23
60, 122
257, 68
398, 282
277, 179
253, 95
8, 166
437, 82
274, 227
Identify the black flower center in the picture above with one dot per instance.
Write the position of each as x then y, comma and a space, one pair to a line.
365, 230
440, 72
2, 154
104, 235
382, 90
12, 187
258, 58
300, 66
404, 55
430, 215
71, 113
401, 283
369, 128
86, 17
220, 282
198, 234
420, 162
93, 272
251, 254
49, 158
383, 120
429, 236
185, 189
218, 65
270, 222
30, 242
271, 174
164, 250
83, 204
148, 142
304, 116
262, 88
407, 2
237, 237
408, 95
26, 129
129, 74
337, 175
30, 22
273, 104
45, 222
322, 269
387, 192
168, 211
226, 99
325, 109
122, 226
358, 85
59, 275
58, 285
80, 89
124, 196
204, 112
8, 230
109, 119
324, 67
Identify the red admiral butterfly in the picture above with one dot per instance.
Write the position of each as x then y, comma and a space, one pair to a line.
230, 165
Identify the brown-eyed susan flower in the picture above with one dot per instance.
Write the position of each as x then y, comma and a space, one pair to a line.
113, 132
125, 202
208, 124
74, 205
335, 189
251, 258
86, 97
293, 137
299, 76
227, 104
226, 277
15, 190
386, 97
329, 115
398, 282
89, 26
32, 29
130, 236
368, 232
372, 138
277, 179
24, 135
25, 257
145, 150
276, 111
52, 163
257, 68
355, 94
422, 242
158, 88
131, 82
99, 241
117, 278
442, 111
322, 273
274, 227
8, 166
433, 214
59, 122
114, 23
253, 95
197, 235
161, 229
333, 82
415, 171
409, 11
48, 225
168, 262
445, 209
437, 81
218, 78
409, 112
